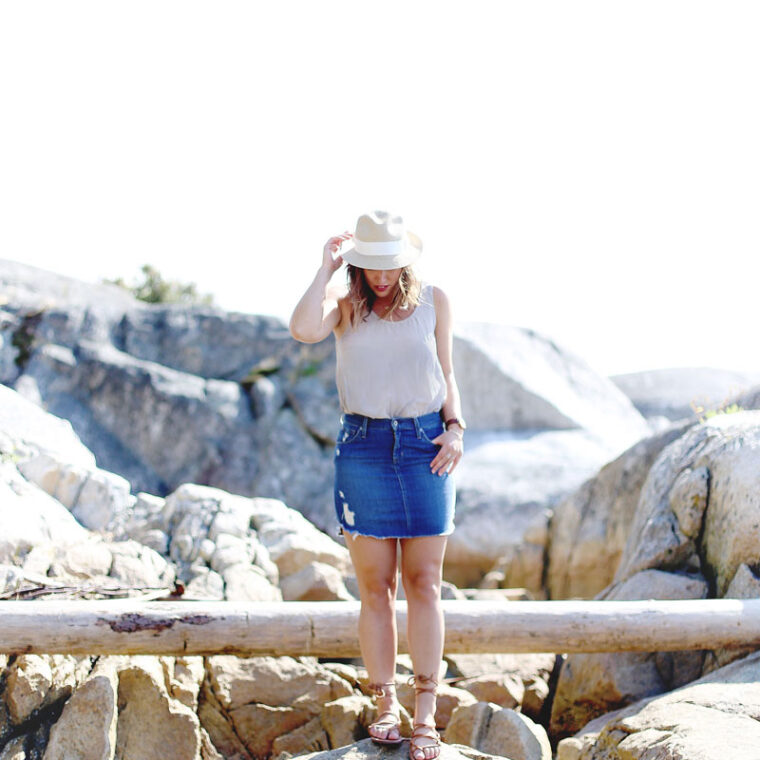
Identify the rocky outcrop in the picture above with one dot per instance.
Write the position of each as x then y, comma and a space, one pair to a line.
189, 708
251, 411
71, 525
699, 492
693, 534
713, 718
173, 394
368, 750
589, 529
129, 377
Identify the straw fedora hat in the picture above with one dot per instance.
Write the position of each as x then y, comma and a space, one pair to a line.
381, 241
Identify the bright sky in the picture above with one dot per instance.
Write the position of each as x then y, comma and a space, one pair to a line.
586, 169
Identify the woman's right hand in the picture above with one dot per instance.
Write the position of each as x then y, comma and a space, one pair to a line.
329, 260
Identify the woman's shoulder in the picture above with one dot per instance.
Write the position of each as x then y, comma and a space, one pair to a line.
433, 295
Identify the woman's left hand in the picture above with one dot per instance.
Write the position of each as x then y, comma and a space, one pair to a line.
449, 454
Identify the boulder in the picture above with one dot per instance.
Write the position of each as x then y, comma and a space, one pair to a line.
89, 559
259, 725
37, 681
712, 718
87, 725
681, 393
228, 551
345, 720
30, 517
504, 690
534, 698
145, 523
490, 728
294, 467
273, 681
293, 542
695, 525
248, 583
316, 582
11, 355
151, 723
205, 585
592, 684
514, 378
589, 528
511, 482
100, 500
726, 446
732, 523
140, 567
502, 678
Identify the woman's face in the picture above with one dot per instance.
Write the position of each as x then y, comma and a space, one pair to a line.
382, 282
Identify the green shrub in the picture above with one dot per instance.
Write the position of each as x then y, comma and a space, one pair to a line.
153, 288
704, 413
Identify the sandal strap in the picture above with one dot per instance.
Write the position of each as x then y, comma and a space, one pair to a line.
422, 683
424, 730
382, 689
386, 718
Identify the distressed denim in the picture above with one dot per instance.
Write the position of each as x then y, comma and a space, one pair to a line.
384, 487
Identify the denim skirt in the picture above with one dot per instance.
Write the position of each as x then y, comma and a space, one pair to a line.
384, 487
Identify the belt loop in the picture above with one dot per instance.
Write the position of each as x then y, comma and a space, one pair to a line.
417, 427
364, 427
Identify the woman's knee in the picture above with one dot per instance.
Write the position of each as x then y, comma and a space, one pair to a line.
424, 585
378, 590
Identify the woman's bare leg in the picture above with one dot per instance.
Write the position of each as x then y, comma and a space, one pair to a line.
374, 561
421, 574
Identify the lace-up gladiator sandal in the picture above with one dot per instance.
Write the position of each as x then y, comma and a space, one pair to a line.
387, 721
417, 750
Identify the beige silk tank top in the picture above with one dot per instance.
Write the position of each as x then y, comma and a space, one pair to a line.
391, 369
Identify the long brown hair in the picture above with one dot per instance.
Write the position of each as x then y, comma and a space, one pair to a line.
362, 298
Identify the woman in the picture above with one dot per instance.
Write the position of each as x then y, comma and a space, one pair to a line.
401, 439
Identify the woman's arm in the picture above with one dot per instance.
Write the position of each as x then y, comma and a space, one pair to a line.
317, 314
450, 441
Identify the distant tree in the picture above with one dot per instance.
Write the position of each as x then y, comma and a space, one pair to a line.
153, 288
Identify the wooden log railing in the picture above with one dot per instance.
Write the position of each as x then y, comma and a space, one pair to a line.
329, 629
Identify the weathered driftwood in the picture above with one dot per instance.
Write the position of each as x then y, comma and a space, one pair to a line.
329, 629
